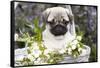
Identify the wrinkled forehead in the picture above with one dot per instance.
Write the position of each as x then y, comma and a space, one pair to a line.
58, 13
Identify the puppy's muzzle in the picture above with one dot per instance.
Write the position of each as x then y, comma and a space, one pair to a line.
58, 30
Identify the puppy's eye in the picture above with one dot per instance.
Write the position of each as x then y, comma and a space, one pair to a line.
51, 22
65, 22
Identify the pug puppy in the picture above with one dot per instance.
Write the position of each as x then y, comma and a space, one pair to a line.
59, 27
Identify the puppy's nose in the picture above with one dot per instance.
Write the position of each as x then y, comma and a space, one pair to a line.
58, 30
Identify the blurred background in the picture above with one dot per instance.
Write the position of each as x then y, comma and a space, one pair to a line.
85, 21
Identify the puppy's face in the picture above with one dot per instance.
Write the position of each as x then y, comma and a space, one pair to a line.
58, 24
57, 18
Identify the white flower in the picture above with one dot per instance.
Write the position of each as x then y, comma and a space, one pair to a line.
69, 51
46, 51
38, 61
73, 47
36, 52
51, 60
62, 51
74, 56
42, 45
35, 44
48, 56
79, 49
78, 45
79, 38
16, 36
31, 57
75, 42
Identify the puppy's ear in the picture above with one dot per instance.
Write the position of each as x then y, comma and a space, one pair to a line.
71, 19
45, 15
